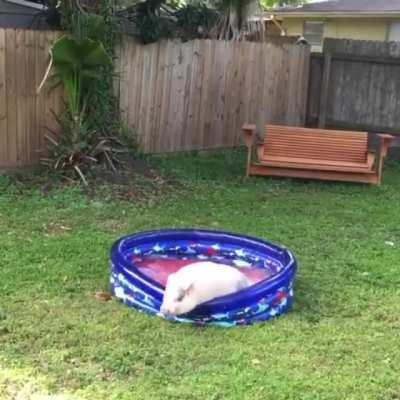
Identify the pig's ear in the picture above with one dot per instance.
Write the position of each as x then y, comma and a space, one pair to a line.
189, 288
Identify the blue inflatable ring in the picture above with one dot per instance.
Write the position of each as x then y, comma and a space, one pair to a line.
261, 301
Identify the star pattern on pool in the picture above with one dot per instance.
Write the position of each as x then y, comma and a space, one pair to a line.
157, 248
240, 253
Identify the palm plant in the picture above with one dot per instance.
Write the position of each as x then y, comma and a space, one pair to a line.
77, 63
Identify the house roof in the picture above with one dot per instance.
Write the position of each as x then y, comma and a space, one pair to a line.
23, 14
370, 8
27, 4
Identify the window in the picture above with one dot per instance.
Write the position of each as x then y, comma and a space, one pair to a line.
314, 32
394, 31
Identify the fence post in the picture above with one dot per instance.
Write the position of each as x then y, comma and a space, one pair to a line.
326, 75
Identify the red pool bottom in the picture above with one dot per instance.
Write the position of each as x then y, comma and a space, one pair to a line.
159, 269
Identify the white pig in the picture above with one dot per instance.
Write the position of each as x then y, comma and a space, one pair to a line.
198, 283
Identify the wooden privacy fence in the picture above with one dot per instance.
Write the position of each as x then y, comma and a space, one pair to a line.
356, 85
176, 96
196, 95
24, 55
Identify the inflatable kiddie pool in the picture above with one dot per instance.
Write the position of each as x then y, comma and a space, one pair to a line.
140, 265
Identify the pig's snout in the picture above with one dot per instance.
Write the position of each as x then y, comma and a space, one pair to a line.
165, 312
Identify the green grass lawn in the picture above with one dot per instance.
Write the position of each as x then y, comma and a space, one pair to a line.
340, 341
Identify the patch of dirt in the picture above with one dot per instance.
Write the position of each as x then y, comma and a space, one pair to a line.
55, 229
37, 178
136, 180
131, 168
112, 226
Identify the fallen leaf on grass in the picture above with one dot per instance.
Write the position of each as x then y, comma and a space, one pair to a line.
55, 229
102, 296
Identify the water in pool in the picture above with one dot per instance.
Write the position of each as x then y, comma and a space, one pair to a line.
159, 268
